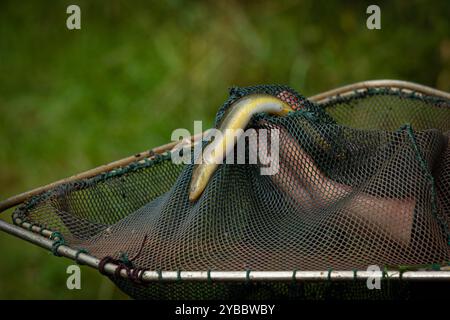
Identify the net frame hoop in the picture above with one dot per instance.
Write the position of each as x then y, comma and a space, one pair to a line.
405, 86
41, 237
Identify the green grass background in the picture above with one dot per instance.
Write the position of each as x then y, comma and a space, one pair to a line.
73, 100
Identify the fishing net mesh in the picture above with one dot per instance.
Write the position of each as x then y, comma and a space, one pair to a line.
362, 179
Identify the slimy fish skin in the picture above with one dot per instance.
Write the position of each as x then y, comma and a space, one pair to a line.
235, 119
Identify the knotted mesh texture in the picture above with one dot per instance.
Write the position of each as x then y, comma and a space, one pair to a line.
362, 180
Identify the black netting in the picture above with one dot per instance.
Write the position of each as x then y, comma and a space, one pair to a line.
363, 180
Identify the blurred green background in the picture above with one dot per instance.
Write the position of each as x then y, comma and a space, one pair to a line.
73, 100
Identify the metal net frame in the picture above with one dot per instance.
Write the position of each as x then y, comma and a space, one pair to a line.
218, 283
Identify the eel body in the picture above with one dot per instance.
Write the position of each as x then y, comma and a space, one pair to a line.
234, 121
